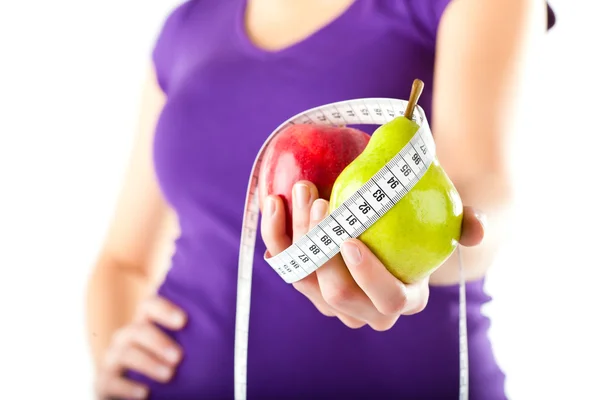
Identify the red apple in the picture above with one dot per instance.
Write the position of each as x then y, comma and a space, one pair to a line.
316, 153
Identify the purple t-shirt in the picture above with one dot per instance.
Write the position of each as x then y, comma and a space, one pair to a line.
225, 96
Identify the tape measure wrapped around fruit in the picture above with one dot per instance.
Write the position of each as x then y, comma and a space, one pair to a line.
388, 190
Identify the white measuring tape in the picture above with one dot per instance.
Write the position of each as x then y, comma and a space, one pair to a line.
390, 184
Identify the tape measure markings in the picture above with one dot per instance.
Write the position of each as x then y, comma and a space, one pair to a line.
355, 215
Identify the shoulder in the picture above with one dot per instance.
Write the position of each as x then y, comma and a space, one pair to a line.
167, 38
425, 15
175, 19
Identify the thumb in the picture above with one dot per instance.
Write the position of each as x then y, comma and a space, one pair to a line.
473, 227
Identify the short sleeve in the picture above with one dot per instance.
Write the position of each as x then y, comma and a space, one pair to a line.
165, 46
427, 15
551, 17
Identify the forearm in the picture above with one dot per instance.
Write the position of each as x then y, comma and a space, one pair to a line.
485, 51
114, 291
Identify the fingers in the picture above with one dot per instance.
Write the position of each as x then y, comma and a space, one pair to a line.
137, 359
273, 224
121, 388
417, 297
473, 227
386, 292
139, 347
161, 311
303, 195
341, 293
335, 288
309, 286
152, 340
389, 295
142, 347
273, 230
353, 286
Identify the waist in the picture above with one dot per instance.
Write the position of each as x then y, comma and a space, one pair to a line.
295, 352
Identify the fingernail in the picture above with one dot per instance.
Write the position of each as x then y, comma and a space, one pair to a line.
177, 319
163, 372
171, 354
351, 253
301, 195
270, 206
318, 210
139, 393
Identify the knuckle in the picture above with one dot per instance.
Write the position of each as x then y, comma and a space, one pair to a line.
299, 222
141, 333
383, 325
161, 308
138, 329
111, 360
421, 304
308, 289
122, 336
303, 286
144, 308
352, 323
122, 341
339, 296
125, 358
132, 354
326, 311
395, 305
152, 337
153, 304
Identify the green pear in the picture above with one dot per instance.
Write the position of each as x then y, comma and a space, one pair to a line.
421, 231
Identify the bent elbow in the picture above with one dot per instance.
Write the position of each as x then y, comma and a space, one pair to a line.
484, 185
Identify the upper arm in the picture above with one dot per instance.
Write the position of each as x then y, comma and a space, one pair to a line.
141, 218
483, 50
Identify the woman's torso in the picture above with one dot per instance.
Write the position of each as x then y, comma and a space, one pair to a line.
225, 96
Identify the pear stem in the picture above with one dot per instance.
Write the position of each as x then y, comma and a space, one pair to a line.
415, 93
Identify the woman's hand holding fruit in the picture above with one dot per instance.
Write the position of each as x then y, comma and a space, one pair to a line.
353, 286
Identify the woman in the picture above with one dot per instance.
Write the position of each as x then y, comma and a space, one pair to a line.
224, 74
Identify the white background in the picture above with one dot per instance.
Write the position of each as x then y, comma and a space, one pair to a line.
70, 75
